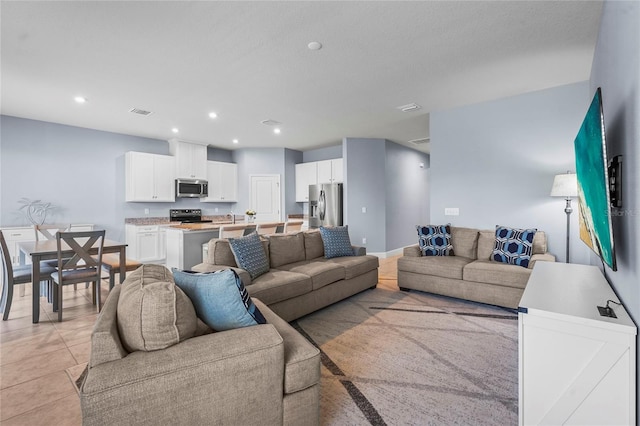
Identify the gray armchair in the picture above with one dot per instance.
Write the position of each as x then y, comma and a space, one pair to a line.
264, 374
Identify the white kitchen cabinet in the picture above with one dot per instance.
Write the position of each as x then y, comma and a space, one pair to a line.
223, 182
149, 177
146, 243
576, 367
13, 236
190, 158
330, 171
306, 174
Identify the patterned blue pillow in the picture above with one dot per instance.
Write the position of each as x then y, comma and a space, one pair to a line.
513, 246
435, 240
336, 241
219, 298
250, 254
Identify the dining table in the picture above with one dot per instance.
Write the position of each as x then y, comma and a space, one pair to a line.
48, 249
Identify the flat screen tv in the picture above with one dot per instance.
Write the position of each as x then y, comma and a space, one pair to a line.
596, 230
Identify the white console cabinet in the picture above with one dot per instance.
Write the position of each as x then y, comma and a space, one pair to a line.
146, 243
576, 367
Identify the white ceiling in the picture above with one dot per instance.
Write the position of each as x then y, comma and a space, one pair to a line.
249, 61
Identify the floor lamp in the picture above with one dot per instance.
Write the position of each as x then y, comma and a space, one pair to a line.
566, 185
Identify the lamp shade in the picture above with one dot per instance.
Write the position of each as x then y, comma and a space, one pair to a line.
565, 185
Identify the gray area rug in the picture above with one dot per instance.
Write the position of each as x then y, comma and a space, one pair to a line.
399, 358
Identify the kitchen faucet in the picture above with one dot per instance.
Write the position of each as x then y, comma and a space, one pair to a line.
233, 217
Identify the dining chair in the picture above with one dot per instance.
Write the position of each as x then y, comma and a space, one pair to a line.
267, 228
292, 226
231, 231
12, 276
81, 267
48, 232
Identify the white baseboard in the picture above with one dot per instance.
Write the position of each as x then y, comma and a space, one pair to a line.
384, 255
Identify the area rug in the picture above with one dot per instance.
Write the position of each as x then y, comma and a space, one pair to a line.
411, 358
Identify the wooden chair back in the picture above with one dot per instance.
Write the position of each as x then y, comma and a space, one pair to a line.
292, 226
231, 231
81, 243
49, 231
267, 228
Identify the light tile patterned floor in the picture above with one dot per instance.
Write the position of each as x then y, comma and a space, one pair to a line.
34, 386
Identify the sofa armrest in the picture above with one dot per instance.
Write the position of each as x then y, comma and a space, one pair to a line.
544, 257
199, 379
359, 250
412, 251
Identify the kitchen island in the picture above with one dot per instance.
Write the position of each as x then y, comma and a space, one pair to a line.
184, 242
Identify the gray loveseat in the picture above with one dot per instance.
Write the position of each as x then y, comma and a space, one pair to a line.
263, 374
470, 274
300, 279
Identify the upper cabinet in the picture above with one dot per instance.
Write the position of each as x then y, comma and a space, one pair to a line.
306, 174
330, 171
190, 158
149, 177
315, 172
223, 182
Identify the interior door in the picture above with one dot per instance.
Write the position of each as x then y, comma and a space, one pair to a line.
265, 197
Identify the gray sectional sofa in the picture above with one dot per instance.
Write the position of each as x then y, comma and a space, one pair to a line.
470, 274
300, 280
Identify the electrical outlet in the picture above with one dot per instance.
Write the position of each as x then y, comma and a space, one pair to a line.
364, 240
451, 211
216, 210
146, 211
364, 210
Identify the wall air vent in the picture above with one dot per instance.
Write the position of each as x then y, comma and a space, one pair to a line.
409, 107
140, 111
270, 122
421, 141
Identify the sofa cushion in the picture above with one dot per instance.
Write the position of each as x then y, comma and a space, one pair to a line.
354, 266
313, 246
322, 273
220, 253
286, 248
435, 240
445, 266
276, 286
465, 242
152, 312
219, 298
486, 241
490, 272
336, 241
250, 254
301, 358
513, 245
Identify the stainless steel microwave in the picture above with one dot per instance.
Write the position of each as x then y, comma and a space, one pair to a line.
192, 188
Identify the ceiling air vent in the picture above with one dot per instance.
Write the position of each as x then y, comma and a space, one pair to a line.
270, 122
409, 107
420, 141
140, 111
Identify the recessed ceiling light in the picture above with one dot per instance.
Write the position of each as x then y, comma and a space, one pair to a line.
276, 130
314, 45
235, 141
213, 115
80, 99
175, 130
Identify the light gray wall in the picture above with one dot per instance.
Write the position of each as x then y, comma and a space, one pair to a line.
327, 153
407, 188
386, 179
616, 69
496, 161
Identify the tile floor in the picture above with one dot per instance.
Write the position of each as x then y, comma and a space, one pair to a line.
35, 388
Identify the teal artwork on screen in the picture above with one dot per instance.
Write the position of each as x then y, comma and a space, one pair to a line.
593, 184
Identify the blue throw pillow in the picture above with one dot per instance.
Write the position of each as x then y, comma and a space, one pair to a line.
336, 241
435, 240
219, 298
513, 246
250, 254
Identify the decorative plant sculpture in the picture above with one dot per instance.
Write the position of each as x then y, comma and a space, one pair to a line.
35, 210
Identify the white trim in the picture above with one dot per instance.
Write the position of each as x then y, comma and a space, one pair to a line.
392, 253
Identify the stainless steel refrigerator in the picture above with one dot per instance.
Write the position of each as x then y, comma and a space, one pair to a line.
325, 205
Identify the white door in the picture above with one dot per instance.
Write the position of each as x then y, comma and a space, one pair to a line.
265, 197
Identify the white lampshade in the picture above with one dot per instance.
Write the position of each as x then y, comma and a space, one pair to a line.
565, 185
